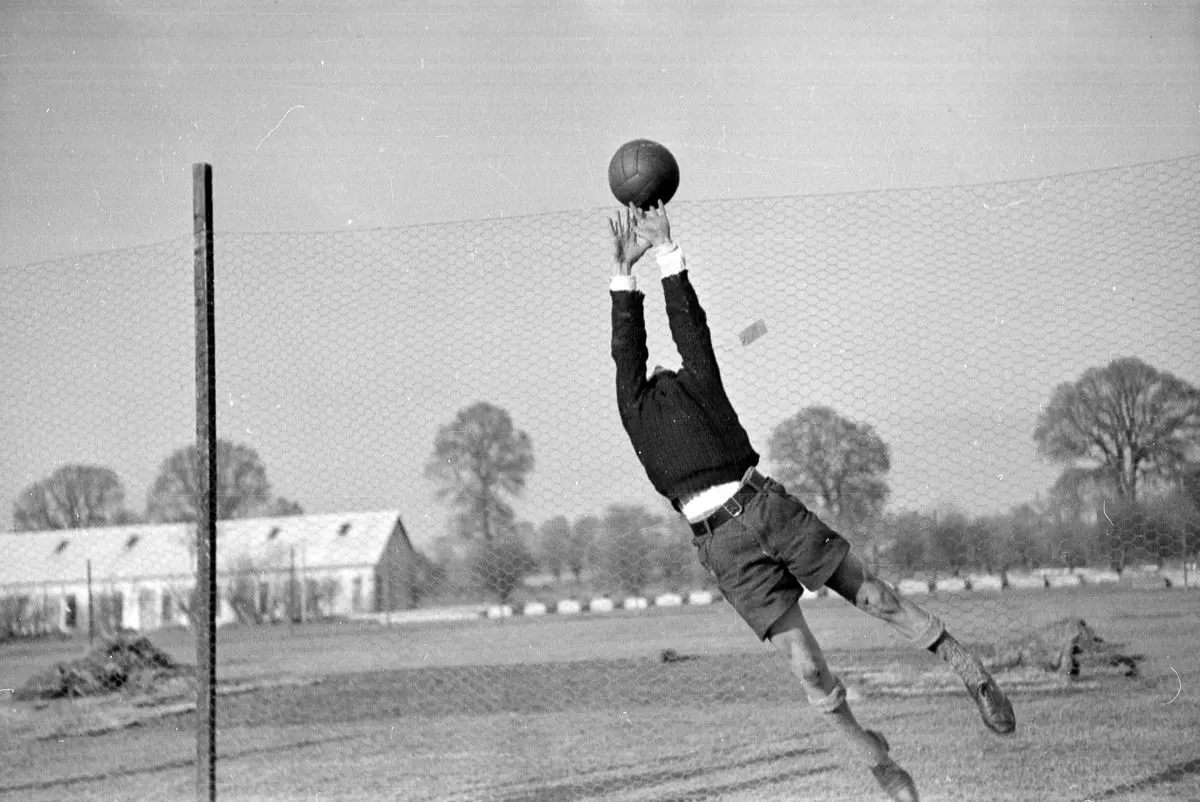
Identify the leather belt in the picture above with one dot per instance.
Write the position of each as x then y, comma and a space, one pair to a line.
752, 483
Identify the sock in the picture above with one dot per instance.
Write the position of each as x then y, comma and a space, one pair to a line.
837, 710
965, 664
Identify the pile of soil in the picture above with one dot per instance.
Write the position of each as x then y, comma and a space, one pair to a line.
1069, 647
125, 663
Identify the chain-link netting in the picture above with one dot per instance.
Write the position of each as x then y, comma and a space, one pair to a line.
437, 544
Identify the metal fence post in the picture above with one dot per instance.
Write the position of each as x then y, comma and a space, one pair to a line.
206, 487
91, 607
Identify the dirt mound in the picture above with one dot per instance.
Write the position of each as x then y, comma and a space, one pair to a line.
124, 663
1068, 646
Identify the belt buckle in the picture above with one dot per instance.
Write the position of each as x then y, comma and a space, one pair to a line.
738, 504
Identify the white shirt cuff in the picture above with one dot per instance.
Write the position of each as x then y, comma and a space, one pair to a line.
620, 283
669, 257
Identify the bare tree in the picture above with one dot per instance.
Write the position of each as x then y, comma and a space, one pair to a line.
554, 540
242, 487
626, 549
1189, 484
580, 546
1119, 426
425, 578
502, 562
908, 541
479, 458
674, 554
243, 579
949, 543
73, 497
1028, 536
819, 453
279, 507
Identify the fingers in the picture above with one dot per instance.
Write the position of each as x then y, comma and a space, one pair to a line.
619, 226
638, 229
626, 222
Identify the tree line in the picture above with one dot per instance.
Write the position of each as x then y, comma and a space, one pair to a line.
1126, 435
623, 551
86, 496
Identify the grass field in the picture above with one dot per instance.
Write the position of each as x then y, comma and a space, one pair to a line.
581, 708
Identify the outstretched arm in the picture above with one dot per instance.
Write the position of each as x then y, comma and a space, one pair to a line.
628, 316
689, 325
627, 246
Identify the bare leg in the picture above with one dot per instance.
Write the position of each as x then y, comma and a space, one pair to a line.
795, 641
855, 583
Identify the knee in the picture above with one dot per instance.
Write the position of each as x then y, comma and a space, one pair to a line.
877, 598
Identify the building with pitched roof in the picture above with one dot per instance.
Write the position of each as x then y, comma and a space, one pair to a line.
142, 576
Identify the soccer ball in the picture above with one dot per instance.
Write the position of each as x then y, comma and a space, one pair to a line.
643, 172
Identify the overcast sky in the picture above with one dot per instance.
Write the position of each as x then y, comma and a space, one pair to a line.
364, 117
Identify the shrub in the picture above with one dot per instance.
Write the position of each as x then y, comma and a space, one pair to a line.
125, 662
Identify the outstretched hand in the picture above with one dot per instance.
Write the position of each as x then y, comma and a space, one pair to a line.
628, 247
652, 225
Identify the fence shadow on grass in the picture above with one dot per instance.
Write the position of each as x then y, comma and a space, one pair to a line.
584, 788
1172, 773
169, 765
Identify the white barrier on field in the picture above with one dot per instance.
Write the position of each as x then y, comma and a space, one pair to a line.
908, 587
600, 605
1045, 578
668, 600
1145, 579
950, 584
1026, 581
499, 611
986, 582
1175, 579
1093, 576
441, 615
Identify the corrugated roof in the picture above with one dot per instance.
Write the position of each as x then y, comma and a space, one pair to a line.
123, 553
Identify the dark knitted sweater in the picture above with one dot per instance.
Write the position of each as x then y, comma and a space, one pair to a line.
682, 426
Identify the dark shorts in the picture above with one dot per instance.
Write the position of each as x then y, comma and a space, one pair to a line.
764, 558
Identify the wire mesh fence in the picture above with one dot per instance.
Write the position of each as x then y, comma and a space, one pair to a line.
422, 472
